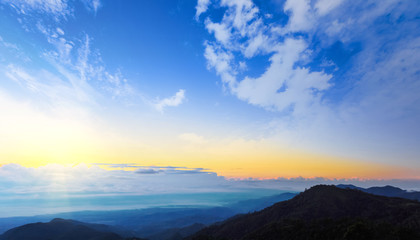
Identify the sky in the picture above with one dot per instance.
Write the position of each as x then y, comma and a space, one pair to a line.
214, 92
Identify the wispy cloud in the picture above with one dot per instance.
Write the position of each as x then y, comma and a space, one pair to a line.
92, 5
8, 44
58, 8
76, 72
77, 66
175, 100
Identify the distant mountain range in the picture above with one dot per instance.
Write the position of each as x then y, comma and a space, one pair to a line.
325, 212
60, 229
155, 223
388, 191
321, 212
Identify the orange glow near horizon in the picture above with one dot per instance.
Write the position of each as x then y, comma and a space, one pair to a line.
32, 139
246, 165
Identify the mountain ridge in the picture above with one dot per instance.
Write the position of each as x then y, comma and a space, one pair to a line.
388, 191
330, 205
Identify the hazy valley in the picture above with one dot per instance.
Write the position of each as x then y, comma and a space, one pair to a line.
321, 212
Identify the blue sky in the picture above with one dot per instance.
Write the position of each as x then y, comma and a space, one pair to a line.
236, 88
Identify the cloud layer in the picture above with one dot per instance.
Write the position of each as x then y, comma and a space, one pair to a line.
146, 180
57, 188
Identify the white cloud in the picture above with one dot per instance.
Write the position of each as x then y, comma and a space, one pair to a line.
192, 138
239, 15
255, 45
92, 5
201, 7
220, 30
284, 85
221, 61
300, 15
173, 101
325, 6
60, 31
243, 66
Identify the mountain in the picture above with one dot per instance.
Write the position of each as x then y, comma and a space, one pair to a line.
60, 229
388, 191
138, 222
153, 221
325, 212
169, 223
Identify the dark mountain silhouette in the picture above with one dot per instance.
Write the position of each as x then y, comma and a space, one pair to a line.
325, 212
344, 186
60, 229
388, 191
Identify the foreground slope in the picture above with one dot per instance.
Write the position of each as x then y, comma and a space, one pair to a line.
325, 212
60, 229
